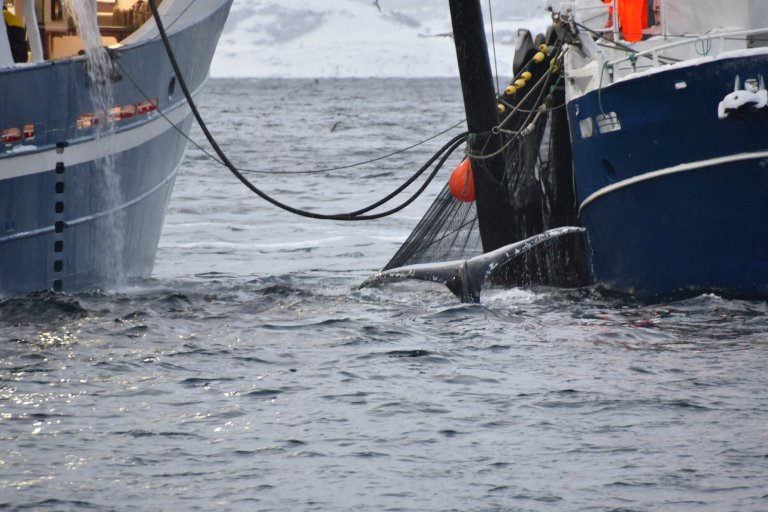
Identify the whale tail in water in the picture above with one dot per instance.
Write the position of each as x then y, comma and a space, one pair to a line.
529, 209
510, 264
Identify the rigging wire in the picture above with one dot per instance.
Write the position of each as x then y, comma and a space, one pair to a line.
615, 45
493, 42
216, 159
532, 115
445, 151
258, 171
557, 58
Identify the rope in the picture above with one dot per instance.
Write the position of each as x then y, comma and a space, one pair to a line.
493, 43
258, 171
703, 47
445, 151
532, 116
544, 77
620, 46
529, 126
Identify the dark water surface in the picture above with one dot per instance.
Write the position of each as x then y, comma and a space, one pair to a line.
251, 374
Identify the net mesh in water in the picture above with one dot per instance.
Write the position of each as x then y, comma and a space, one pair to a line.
538, 185
448, 231
531, 193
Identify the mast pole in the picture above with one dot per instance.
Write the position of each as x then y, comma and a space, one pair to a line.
494, 212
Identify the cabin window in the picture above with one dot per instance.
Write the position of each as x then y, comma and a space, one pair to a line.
117, 19
57, 10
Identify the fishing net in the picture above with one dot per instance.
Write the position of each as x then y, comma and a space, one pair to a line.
538, 185
448, 231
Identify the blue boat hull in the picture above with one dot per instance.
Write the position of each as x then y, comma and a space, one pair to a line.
674, 201
83, 208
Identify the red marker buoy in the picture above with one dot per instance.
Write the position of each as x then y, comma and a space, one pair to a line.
461, 183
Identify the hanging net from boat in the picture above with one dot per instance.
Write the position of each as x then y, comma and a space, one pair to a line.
527, 195
449, 229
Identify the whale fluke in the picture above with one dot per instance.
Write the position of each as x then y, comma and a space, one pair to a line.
465, 278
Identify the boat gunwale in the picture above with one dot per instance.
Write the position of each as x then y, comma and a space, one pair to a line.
138, 123
690, 40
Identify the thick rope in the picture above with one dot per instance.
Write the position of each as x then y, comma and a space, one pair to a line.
445, 151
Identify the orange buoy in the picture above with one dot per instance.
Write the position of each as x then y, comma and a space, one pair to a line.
462, 184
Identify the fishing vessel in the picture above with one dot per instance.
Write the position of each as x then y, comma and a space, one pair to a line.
635, 127
668, 115
94, 129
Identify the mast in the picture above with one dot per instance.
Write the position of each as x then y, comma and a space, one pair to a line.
494, 212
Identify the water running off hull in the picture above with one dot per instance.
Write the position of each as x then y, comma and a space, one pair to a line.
465, 278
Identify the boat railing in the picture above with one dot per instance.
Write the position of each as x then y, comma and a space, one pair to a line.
703, 40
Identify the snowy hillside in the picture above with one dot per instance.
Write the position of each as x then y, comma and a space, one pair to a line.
357, 38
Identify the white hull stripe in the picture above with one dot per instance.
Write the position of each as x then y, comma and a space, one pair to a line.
32, 162
691, 166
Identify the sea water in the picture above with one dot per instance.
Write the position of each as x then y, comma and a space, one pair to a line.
251, 374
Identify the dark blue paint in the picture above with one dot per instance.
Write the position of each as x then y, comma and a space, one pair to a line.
700, 230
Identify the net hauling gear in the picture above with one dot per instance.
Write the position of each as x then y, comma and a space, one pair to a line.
537, 224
